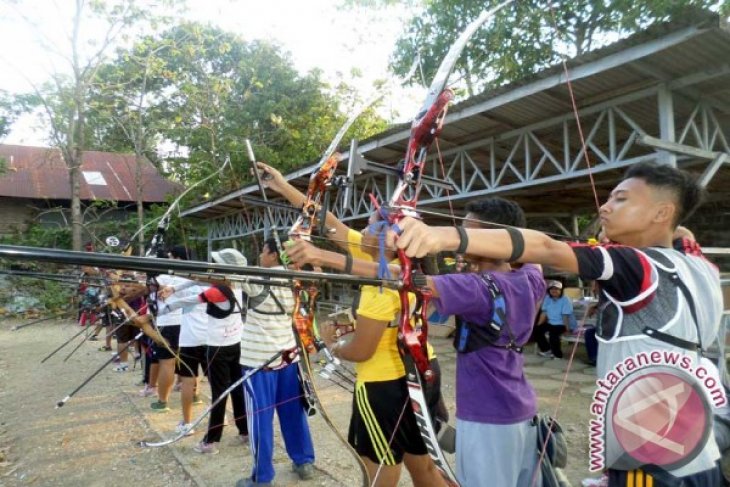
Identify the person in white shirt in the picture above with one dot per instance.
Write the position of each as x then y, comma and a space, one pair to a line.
169, 326
193, 336
219, 357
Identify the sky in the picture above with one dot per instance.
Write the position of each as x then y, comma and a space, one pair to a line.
315, 32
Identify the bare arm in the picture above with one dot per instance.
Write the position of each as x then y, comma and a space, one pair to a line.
364, 342
273, 179
566, 321
301, 252
419, 239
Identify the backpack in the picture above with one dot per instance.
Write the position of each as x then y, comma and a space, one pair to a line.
556, 451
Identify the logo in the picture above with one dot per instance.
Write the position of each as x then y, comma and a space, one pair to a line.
659, 417
653, 408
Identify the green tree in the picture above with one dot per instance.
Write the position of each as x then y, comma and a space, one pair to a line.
208, 90
124, 111
526, 35
10, 108
96, 26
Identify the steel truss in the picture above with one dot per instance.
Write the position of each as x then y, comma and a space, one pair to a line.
618, 133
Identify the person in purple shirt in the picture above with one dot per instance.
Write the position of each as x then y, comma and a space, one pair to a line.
495, 404
496, 440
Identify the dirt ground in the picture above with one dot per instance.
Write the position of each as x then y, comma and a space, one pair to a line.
93, 440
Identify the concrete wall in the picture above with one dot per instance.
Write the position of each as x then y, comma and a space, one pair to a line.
15, 214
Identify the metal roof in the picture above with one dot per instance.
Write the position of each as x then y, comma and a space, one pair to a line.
41, 173
692, 58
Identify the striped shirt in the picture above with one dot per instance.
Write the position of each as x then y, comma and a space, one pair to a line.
267, 329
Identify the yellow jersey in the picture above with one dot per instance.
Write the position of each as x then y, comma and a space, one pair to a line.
380, 304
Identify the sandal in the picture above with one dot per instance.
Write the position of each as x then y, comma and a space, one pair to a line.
105, 349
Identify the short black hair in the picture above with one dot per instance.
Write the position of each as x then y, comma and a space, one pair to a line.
271, 245
687, 191
498, 210
180, 252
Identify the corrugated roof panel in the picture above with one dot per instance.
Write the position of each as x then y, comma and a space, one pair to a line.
41, 173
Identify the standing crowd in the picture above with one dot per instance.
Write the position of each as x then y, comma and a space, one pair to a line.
653, 294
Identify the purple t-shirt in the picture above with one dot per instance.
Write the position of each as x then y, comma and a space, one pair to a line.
491, 386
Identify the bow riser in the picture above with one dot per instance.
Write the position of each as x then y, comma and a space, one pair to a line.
304, 320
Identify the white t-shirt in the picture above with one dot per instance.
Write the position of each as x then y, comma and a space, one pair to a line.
173, 317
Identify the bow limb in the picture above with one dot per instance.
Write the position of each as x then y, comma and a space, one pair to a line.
143, 322
413, 324
305, 295
584, 150
157, 241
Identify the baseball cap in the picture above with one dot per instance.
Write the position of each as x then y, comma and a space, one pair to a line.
556, 284
229, 257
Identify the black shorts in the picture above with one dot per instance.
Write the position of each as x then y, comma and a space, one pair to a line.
126, 333
376, 412
172, 335
192, 358
106, 316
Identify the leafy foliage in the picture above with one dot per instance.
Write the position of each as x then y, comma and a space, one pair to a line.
9, 111
525, 36
206, 90
37, 235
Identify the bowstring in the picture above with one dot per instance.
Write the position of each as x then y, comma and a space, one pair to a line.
584, 150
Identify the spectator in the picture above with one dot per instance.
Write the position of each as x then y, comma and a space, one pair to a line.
555, 318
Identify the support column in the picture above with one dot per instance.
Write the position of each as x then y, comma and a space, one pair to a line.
209, 257
665, 104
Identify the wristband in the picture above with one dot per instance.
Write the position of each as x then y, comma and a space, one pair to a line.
463, 240
518, 244
348, 263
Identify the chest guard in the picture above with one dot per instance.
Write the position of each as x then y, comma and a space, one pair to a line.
470, 337
654, 313
214, 310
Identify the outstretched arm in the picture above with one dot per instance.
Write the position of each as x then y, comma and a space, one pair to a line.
301, 252
273, 179
418, 239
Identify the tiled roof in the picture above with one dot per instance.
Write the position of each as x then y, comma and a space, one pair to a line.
41, 173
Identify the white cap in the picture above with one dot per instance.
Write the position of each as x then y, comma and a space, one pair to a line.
229, 257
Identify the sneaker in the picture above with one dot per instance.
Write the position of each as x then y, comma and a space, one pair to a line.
148, 391
159, 406
601, 481
184, 428
242, 439
176, 387
247, 482
204, 447
93, 338
197, 400
547, 354
305, 471
122, 367
105, 349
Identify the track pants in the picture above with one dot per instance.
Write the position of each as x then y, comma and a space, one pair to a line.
279, 390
